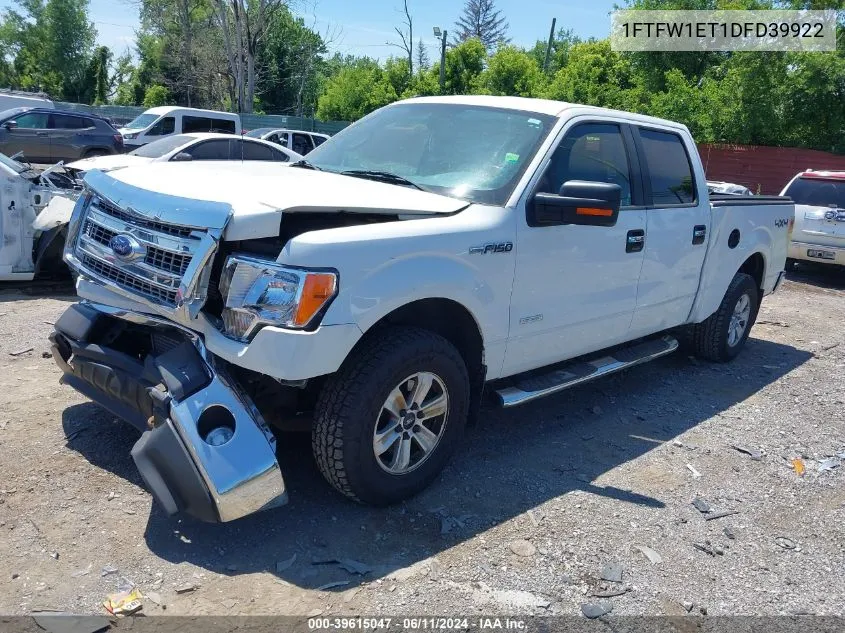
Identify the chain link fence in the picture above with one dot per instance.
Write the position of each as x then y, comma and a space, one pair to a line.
121, 115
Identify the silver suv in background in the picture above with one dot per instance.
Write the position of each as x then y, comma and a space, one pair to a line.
44, 135
818, 234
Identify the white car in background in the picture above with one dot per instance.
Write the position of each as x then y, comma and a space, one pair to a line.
190, 147
818, 234
299, 141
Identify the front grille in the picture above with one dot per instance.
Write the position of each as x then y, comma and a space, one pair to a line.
128, 281
171, 229
155, 257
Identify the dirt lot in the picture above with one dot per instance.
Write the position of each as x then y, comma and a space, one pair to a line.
540, 503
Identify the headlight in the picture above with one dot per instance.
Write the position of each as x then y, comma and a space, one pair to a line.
257, 292
130, 136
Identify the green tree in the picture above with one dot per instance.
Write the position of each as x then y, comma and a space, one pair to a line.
511, 71
156, 96
355, 91
464, 64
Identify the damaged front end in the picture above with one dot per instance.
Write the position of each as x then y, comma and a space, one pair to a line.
204, 448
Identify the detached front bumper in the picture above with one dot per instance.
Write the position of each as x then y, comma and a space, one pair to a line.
160, 378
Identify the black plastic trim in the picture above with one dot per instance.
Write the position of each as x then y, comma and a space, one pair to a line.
729, 200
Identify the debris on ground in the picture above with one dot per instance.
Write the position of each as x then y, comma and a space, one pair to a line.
124, 602
21, 352
54, 555
701, 505
720, 514
755, 454
695, 473
108, 570
798, 466
521, 547
612, 572
332, 585
687, 605
449, 523
593, 610
704, 548
347, 564
82, 572
729, 532
153, 597
775, 323
785, 542
650, 554
187, 588
284, 565
610, 593
828, 464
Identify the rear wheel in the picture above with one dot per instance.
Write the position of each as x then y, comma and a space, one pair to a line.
388, 421
722, 336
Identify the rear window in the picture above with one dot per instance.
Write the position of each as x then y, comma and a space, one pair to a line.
206, 124
817, 192
669, 168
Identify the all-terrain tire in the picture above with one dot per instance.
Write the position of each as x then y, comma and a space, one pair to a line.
710, 338
352, 399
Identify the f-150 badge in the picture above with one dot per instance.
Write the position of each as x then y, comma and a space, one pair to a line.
501, 247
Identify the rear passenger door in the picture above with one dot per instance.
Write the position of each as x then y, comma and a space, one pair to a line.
65, 141
677, 231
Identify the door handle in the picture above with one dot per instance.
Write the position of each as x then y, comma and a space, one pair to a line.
699, 231
635, 241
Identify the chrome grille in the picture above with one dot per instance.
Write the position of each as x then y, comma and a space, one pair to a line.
130, 282
161, 256
155, 257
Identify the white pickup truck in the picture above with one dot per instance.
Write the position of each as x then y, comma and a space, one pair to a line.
436, 250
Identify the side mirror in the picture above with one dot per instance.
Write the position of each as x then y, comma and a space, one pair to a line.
182, 157
579, 202
10, 125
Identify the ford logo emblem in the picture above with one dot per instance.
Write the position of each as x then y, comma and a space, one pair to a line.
126, 246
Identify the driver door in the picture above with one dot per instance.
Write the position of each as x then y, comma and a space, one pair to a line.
575, 287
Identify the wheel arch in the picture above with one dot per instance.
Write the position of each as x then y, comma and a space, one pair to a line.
755, 266
451, 320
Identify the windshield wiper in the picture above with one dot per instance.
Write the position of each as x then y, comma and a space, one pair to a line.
305, 165
382, 176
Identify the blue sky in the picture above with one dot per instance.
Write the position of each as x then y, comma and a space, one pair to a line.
364, 28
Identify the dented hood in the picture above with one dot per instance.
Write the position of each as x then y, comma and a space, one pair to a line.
258, 192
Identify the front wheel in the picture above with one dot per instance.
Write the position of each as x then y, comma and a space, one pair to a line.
388, 421
722, 336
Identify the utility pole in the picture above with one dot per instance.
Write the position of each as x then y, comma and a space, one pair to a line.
549, 47
437, 33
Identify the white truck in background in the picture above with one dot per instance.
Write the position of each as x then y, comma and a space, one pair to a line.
436, 250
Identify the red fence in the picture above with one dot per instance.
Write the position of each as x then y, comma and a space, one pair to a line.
764, 170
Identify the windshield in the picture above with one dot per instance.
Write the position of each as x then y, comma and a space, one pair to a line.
12, 164
8, 114
163, 146
259, 132
470, 152
141, 121
817, 192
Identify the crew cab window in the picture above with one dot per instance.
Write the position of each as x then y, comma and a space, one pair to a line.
302, 143
210, 150
69, 122
669, 168
591, 151
32, 121
167, 125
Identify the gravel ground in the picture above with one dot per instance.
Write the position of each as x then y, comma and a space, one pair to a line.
546, 508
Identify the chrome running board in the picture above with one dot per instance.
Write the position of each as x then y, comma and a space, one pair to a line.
527, 389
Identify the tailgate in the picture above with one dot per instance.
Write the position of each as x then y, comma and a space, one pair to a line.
824, 226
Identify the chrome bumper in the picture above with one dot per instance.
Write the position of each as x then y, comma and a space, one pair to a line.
183, 471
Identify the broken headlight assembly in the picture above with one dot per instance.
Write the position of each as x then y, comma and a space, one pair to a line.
258, 292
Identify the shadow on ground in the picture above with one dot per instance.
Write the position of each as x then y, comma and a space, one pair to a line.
510, 462
820, 275
25, 290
